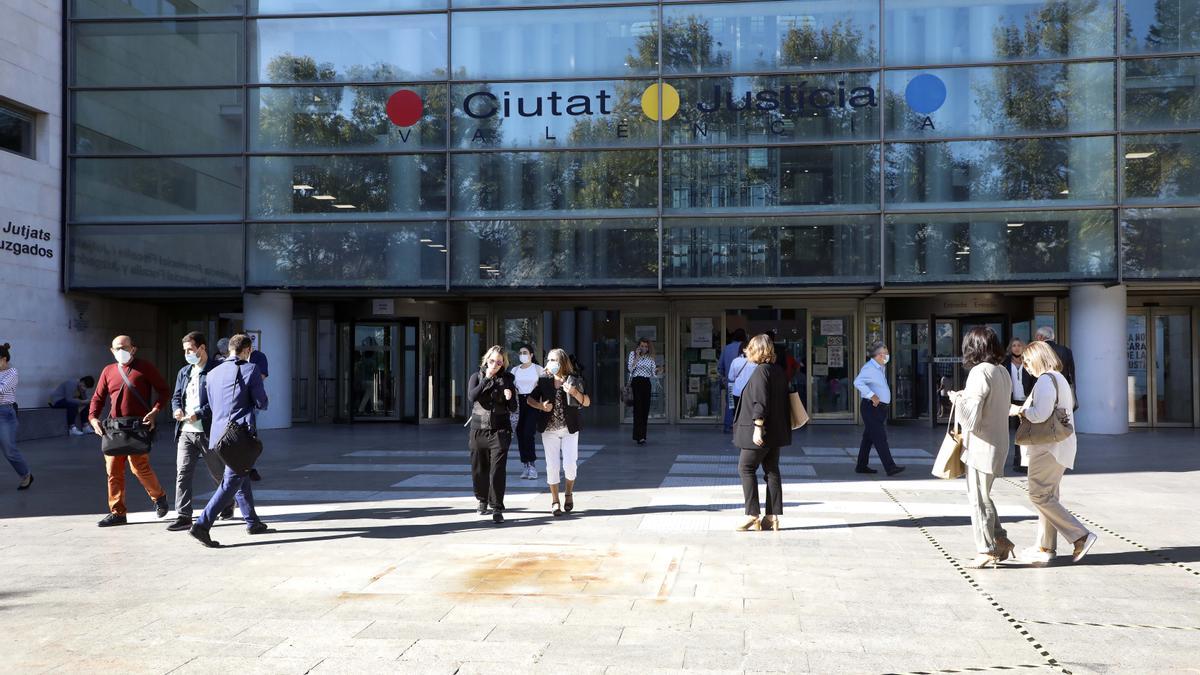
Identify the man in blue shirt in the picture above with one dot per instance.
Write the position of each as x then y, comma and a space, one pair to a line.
872, 386
728, 354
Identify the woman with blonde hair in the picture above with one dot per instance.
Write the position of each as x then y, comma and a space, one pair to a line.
492, 397
560, 395
762, 424
1047, 463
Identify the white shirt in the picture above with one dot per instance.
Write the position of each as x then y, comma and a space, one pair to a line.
1039, 408
1018, 387
527, 377
191, 401
8, 386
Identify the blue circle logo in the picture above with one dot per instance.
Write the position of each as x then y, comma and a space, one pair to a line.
925, 93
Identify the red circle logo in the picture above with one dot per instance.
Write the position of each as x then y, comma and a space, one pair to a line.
405, 108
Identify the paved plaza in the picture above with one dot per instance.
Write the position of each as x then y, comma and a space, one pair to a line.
380, 564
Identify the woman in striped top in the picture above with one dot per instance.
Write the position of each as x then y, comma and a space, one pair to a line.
640, 367
8, 418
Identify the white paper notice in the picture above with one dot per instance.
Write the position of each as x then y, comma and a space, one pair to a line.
831, 327
702, 332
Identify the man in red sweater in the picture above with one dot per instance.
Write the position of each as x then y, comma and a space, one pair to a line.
145, 379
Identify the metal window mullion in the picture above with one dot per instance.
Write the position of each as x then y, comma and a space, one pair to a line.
659, 151
245, 71
1119, 144
448, 168
881, 161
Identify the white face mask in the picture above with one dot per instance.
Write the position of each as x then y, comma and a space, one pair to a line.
552, 367
886, 358
525, 358
123, 356
192, 358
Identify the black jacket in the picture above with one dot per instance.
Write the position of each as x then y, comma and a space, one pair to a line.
178, 402
1027, 380
544, 391
485, 396
1068, 361
765, 397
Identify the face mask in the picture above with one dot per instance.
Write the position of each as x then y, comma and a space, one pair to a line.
123, 356
192, 358
886, 358
525, 358
553, 367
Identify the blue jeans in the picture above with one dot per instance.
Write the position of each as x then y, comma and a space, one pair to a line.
233, 487
8, 440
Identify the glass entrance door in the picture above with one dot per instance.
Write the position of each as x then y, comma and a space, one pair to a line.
946, 363
1160, 367
375, 372
634, 327
910, 370
700, 347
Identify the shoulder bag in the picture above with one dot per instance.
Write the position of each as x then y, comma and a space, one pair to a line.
1054, 429
239, 446
949, 463
127, 435
799, 414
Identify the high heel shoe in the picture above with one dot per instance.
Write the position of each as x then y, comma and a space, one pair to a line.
770, 523
752, 524
569, 503
555, 508
983, 560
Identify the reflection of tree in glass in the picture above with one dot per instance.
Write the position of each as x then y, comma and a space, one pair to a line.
839, 43
326, 254
1176, 27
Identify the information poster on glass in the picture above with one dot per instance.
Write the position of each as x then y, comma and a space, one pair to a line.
702, 332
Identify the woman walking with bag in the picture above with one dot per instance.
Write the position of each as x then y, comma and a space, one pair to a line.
640, 367
982, 411
1049, 405
560, 395
762, 425
526, 377
492, 396
9, 377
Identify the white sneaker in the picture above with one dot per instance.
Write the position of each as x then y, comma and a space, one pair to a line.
533, 474
74, 431
1034, 555
525, 472
1084, 545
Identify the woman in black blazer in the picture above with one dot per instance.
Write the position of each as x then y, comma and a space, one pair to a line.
762, 425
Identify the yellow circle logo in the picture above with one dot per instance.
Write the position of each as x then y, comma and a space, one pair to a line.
670, 102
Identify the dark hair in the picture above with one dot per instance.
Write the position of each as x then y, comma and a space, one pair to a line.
981, 345
532, 353
739, 335
240, 343
196, 338
88, 381
4, 351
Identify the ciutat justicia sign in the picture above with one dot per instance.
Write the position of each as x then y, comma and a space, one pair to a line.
658, 102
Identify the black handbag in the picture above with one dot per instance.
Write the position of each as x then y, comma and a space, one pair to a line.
127, 435
239, 446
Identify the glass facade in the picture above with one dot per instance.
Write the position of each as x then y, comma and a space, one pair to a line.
643, 145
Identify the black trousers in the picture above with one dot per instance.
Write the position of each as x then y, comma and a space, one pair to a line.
641, 406
748, 463
527, 422
875, 433
1013, 423
489, 456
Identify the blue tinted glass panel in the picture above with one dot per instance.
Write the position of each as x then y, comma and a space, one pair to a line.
1026, 246
347, 254
761, 110
1074, 97
1019, 172
1162, 93
554, 253
834, 177
1161, 243
1162, 169
349, 49
103, 9
156, 256
334, 118
972, 31
758, 36
1161, 26
592, 113
590, 42
157, 189
340, 6
769, 251
550, 182
157, 53
347, 186
159, 122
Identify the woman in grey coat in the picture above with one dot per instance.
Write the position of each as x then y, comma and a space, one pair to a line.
982, 411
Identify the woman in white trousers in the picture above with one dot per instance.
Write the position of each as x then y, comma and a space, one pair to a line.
560, 394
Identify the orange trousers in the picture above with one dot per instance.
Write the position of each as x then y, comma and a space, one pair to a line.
140, 465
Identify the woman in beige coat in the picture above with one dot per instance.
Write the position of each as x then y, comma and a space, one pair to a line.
982, 409
1047, 463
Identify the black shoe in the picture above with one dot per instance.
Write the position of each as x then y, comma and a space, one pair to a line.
258, 528
483, 509
865, 469
160, 506
113, 519
181, 523
1021, 470
497, 517
226, 514
254, 475
200, 534
25, 482
895, 470
569, 503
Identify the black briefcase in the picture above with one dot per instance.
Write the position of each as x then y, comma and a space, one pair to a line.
126, 436
239, 447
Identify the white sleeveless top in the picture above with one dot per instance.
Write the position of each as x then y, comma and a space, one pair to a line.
526, 378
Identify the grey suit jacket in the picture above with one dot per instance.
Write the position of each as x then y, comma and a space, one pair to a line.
982, 411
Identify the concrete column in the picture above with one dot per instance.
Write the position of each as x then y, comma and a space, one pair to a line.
1098, 342
271, 313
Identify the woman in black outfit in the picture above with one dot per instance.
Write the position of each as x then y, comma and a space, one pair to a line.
762, 425
492, 395
640, 366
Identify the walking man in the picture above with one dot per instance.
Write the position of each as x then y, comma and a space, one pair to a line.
872, 385
128, 385
193, 423
235, 394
